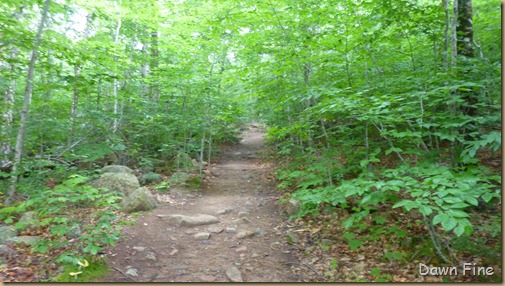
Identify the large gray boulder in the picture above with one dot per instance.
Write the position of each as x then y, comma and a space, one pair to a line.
7, 252
117, 169
7, 232
139, 200
26, 239
124, 183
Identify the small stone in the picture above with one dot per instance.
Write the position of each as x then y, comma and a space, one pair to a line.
259, 232
132, 272
246, 177
234, 274
360, 267
202, 236
246, 220
326, 242
241, 249
254, 255
231, 230
215, 229
173, 252
139, 248
151, 256
243, 214
292, 237
245, 234
207, 278
180, 267
189, 232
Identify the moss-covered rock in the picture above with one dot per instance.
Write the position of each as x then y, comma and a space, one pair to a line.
150, 178
139, 200
30, 221
7, 232
124, 183
179, 178
117, 169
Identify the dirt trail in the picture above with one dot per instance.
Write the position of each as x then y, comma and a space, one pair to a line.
239, 193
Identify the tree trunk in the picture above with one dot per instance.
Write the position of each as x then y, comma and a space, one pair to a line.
26, 107
115, 124
464, 34
464, 29
5, 133
454, 49
154, 64
446, 35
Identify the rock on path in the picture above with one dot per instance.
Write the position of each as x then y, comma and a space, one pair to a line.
188, 221
234, 274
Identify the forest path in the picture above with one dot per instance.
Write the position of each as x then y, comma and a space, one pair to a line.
240, 193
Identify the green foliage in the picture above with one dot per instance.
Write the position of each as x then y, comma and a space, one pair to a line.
379, 277
163, 186
56, 207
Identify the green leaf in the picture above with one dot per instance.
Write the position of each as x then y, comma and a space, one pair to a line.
355, 244
425, 210
393, 255
449, 223
375, 272
348, 236
439, 218
380, 220
459, 230
457, 213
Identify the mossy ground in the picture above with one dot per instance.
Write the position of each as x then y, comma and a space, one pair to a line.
96, 270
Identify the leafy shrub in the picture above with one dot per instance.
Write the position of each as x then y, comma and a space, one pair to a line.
61, 209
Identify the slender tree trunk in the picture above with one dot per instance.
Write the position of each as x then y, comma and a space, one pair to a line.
5, 132
454, 46
465, 47
202, 148
115, 87
75, 102
154, 64
446, 35
26, 107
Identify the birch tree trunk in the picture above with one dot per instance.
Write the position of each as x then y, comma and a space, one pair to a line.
5, 132
26, 107
115, 124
